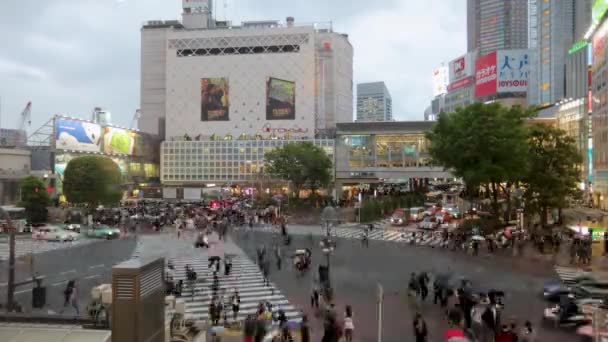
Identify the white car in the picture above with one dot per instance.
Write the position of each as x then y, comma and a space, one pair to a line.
54, 233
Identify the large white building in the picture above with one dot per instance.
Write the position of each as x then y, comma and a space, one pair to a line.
201, 77
374, 102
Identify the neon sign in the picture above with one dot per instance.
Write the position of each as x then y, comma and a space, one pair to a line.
577, 46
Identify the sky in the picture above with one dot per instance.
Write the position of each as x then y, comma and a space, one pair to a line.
69, 56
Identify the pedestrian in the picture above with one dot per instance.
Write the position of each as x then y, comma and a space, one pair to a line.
260, 329
420, 330
423, 280
481, 333
278, 256
528, 334
455, 333
314, 297
349, 326
74, 298
67, 294
265, 270
304, 330
249, 329
504, 335
236, 302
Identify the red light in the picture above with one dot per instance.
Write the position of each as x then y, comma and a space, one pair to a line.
35, 189
327, 45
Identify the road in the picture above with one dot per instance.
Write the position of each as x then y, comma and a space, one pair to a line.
90, 264
356, 271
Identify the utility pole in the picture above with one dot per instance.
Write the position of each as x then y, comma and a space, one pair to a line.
11, 262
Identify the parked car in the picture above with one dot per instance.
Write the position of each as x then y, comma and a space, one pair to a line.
103, 232
54, 233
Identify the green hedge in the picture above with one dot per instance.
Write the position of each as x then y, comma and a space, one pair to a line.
373, 209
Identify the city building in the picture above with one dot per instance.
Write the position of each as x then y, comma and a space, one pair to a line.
14, 166
374, 102
12, 137
599, 99
368, 154
572, 117
461, 87
496, 25
201, 77
554, 24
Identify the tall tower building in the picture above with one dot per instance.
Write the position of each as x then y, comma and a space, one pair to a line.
374, 102
497, 25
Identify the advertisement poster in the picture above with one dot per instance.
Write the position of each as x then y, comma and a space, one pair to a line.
485, 75
440, 81
77, 135
280, 99
214, 99
118, 141
513, 70
599, 44
461, 67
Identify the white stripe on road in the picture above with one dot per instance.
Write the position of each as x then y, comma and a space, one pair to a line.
97, 266
92, 276
67, 272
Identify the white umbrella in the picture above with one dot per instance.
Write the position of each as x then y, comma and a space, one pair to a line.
478, 238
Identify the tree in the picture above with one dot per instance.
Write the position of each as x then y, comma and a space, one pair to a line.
304, 164
553, 169
485, 145
35, 199
93, 180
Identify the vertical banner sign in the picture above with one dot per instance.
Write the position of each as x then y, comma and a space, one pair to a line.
214, 99
513, 70
486, 75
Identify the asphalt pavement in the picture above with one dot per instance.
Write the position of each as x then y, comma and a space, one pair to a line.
89, 264
356, 272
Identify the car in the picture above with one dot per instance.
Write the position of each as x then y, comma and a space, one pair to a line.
54, 233
72, 227
103, 232
428, 223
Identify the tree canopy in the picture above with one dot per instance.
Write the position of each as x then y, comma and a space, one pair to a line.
92, 180
304, 164
35, 199
498, 149
553, 172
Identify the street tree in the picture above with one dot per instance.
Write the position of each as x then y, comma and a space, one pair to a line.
485, 145
92, 180
553, 170
305, 165
35, 199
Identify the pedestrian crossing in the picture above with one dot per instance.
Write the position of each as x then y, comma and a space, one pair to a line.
28, 246
568, 275
426, 238
245, 277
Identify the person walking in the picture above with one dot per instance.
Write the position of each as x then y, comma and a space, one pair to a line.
249, 329
236, 303
420, 330
304, 330
528, 334
74, 298
265, 271
278, 256
349, 326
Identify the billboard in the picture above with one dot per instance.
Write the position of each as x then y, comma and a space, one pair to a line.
440, 81
118, 141
461, 67
513, 70
599, 44
598, 10
77, 135
485, 75
280, 99
214, 99
465, 82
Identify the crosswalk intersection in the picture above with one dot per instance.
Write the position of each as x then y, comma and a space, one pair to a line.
244, 277
28, 246
568, 274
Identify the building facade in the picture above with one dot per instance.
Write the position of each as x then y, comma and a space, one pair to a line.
383, 152
202, 77
599, 95
461, 87
496, 25
200, 163
572, 117
15, 164
374, 102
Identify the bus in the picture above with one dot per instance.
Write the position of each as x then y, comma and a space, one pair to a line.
17, 216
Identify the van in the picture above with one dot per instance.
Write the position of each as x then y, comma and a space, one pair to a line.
416, 213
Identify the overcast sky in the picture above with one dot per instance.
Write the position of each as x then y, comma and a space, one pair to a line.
69, 56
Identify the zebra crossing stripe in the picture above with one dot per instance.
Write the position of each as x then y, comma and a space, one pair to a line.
567, 274
245, 277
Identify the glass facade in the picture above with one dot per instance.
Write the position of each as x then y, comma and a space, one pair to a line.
229, 161
386, 150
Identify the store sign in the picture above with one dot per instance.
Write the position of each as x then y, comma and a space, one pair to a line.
485, 75
461, 67
267, 128
465, 82
513, 70
599, 44
577, 46
598, 10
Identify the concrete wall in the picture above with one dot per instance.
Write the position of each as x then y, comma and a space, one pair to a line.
153, 78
